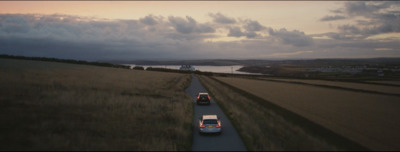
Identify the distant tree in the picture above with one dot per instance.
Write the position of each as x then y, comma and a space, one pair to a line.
138, 68
104, 64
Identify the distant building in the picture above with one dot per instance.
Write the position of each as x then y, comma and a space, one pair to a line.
187, 68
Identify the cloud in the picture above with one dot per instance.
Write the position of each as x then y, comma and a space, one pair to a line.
338, 36
235, 32
377, 18
250, 29
253, 26
189, 25
349, 29
149, 20
251, 34
204, 28
88, 38
382, 23
362, 8
295, 37
14, 25
182, 25
332, 18
219, 18
158, 37
337, 11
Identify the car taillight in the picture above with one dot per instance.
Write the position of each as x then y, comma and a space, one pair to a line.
201, 125
198, 97
219, 124
209, 98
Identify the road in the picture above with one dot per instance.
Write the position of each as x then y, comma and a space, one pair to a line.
229, 140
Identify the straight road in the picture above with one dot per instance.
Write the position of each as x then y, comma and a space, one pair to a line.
229, 140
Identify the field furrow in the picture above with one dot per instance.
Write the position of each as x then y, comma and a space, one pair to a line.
350, 85
368, 119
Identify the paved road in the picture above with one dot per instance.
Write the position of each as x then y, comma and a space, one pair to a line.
229, 140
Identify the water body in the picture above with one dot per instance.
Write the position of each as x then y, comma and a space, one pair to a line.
204, 68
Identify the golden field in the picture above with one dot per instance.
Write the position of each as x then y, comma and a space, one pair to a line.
58, 106
368, 119
260, 127
351, 85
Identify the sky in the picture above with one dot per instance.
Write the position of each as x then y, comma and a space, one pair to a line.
165, 30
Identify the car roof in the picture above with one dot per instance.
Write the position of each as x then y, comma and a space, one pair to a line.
201, 93
210, 117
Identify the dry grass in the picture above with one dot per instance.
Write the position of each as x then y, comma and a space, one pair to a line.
56, 106
259, 126
351, 85
368, 119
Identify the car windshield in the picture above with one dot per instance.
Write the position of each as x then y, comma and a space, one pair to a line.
210, 121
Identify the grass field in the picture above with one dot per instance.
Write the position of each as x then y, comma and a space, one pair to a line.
58, 106
351, 85
261, 127
368, 119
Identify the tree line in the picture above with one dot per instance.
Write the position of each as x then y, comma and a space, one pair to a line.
103, 64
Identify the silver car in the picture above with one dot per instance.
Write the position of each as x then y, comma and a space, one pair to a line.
210, 124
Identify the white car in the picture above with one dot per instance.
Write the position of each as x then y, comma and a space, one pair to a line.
210, 124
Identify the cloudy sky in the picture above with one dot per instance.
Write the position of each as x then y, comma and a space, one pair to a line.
131, 30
